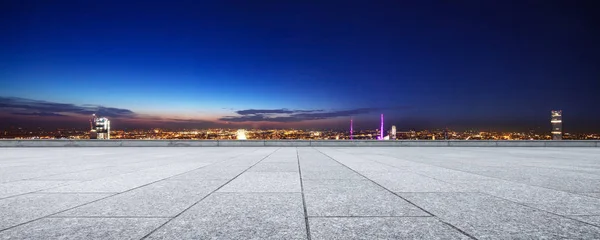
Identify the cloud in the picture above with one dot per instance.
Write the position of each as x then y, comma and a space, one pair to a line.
273, 111
113, 112
125, 117
41, 114
275, 115
23, 106
334, 114
258, 118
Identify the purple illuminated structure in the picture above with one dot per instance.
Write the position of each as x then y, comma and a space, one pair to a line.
381, 131
351, 129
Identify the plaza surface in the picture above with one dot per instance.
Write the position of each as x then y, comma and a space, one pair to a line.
300, 193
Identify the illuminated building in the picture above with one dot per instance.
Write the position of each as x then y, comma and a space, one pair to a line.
393, 132
381, 130
351, 129
556, 122
241, 134
100, 128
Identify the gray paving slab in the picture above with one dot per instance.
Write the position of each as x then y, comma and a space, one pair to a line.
30, 172
490, 193
264, 182
328, 172
559, 202
84, 228
591, 194
397, 160
161, 199
211, 172
487, 217
530, 173
371, 167
129, 181
593, 219
560, 180
354, 198
240, 216
412, 182
90, 174
382, 228
275, 167
282, 156
26, 186
569, 184
318, 162
24, 208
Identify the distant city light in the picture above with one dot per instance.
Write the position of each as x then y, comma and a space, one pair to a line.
241, 134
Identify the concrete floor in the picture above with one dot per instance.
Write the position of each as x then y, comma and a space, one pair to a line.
299, 193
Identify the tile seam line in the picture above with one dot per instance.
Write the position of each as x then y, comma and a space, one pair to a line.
162, 165
542, 210
583, 215
372, 217
308, 235
73, 193
371, 160
478, 175
194, 204
77, 181
112, 195
34, 178
422, 209
512, 154
108, 217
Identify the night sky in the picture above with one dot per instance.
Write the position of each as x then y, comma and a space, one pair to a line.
487, 65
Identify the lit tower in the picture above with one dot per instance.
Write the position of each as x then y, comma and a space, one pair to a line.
556, 122
381, 130
393, 132
241, 134
100, 128
351, 129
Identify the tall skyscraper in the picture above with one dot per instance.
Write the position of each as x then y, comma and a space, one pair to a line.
381, 130
351, 129
556, 122
393, 132
100, 128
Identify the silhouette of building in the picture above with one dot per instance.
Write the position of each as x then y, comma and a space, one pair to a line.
556, 122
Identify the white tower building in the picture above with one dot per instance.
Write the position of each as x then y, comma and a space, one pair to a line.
100, 128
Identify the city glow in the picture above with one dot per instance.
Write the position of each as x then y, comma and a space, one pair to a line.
241, 134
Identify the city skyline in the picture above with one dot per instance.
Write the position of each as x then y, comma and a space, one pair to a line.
77, 117
470, 65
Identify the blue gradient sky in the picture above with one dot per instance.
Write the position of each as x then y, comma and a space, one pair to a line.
494, 65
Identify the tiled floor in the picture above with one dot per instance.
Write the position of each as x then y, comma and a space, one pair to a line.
299, 193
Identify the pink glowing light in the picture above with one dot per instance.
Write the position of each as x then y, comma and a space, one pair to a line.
381, 131
351, 129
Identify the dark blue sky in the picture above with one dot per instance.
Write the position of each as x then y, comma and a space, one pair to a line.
496, 65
